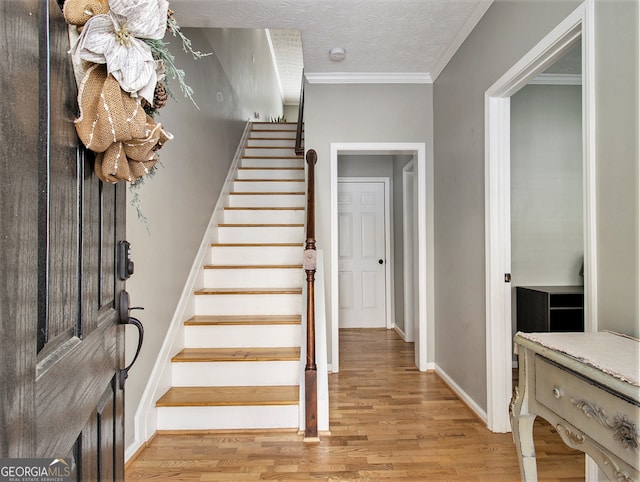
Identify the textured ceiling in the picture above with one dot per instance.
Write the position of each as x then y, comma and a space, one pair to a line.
380, 36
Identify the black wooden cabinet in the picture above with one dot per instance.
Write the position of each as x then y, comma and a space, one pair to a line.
550, 308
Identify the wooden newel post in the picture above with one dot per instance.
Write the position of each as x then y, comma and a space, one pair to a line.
310, 264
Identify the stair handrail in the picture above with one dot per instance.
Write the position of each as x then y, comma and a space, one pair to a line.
299, 128
310, 265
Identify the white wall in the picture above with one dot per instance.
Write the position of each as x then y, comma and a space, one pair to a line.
546, 185
179, 199
360, 113
246, 60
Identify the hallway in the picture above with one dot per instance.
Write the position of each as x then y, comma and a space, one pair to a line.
388, 421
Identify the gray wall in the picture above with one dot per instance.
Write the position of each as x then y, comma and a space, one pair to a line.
507, 32
617, 157
178, 202
547, 239
359, 113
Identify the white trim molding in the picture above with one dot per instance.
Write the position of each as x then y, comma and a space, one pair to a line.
481, 8
578, 25
557, 79
368, 77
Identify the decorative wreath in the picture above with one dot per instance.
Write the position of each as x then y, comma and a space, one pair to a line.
122, 65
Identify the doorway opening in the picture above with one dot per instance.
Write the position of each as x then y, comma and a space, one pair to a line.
424, 240
575, 28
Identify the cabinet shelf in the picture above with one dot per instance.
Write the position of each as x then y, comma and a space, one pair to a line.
550, 308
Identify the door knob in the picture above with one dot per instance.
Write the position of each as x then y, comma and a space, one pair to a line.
380, 261
125, 319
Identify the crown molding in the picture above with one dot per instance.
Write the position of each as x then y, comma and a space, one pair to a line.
368, 77
478, 12
557, 79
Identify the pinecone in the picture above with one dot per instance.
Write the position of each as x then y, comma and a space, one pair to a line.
160, 96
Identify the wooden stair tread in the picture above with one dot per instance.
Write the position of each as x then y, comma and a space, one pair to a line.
257, 245
269, 147
255, 225
229, 396
273, 157
262, 193
249, 291
205, 320
268, 180
263, 208
271, 168
237, 354
253, 266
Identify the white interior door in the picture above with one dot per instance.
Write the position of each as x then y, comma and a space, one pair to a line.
361, 254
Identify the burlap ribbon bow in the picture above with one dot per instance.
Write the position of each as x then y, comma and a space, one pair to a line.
115, 126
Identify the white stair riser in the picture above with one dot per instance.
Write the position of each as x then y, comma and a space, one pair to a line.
236, 374
242, 336
254, 278
271, 134
249, 216
274, 126
221, 418
272, 162
289, 143
267, 304
269, 186
253, 234
270, 200
261, 255
269, 152
271, 174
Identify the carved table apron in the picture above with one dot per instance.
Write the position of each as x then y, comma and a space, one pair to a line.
585, 385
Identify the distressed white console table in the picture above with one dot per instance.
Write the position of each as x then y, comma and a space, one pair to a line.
587, 386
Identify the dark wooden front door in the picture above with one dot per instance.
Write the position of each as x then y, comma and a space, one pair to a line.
60, 343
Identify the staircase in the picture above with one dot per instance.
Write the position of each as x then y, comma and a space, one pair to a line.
240, 368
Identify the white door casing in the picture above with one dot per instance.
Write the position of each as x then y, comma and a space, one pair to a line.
424, 237
579, 24
362, 252
409, 252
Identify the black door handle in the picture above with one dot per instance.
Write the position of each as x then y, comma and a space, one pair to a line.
380, 261
125, 319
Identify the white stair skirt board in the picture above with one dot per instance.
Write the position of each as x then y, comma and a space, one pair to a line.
260, 234
267, 199
249, 162
267, 304
269, 152
268, 186
221, 418
273, 142
278, 173
256, 255
253, 277
236, 373
256, 216
225, 336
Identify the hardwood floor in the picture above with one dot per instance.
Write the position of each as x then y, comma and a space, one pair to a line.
388, 422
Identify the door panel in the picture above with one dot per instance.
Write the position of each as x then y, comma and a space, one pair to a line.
61, 341
361, 243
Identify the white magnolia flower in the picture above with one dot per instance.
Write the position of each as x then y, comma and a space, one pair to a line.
115, 39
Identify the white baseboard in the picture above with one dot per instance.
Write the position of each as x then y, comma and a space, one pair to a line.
470, 402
